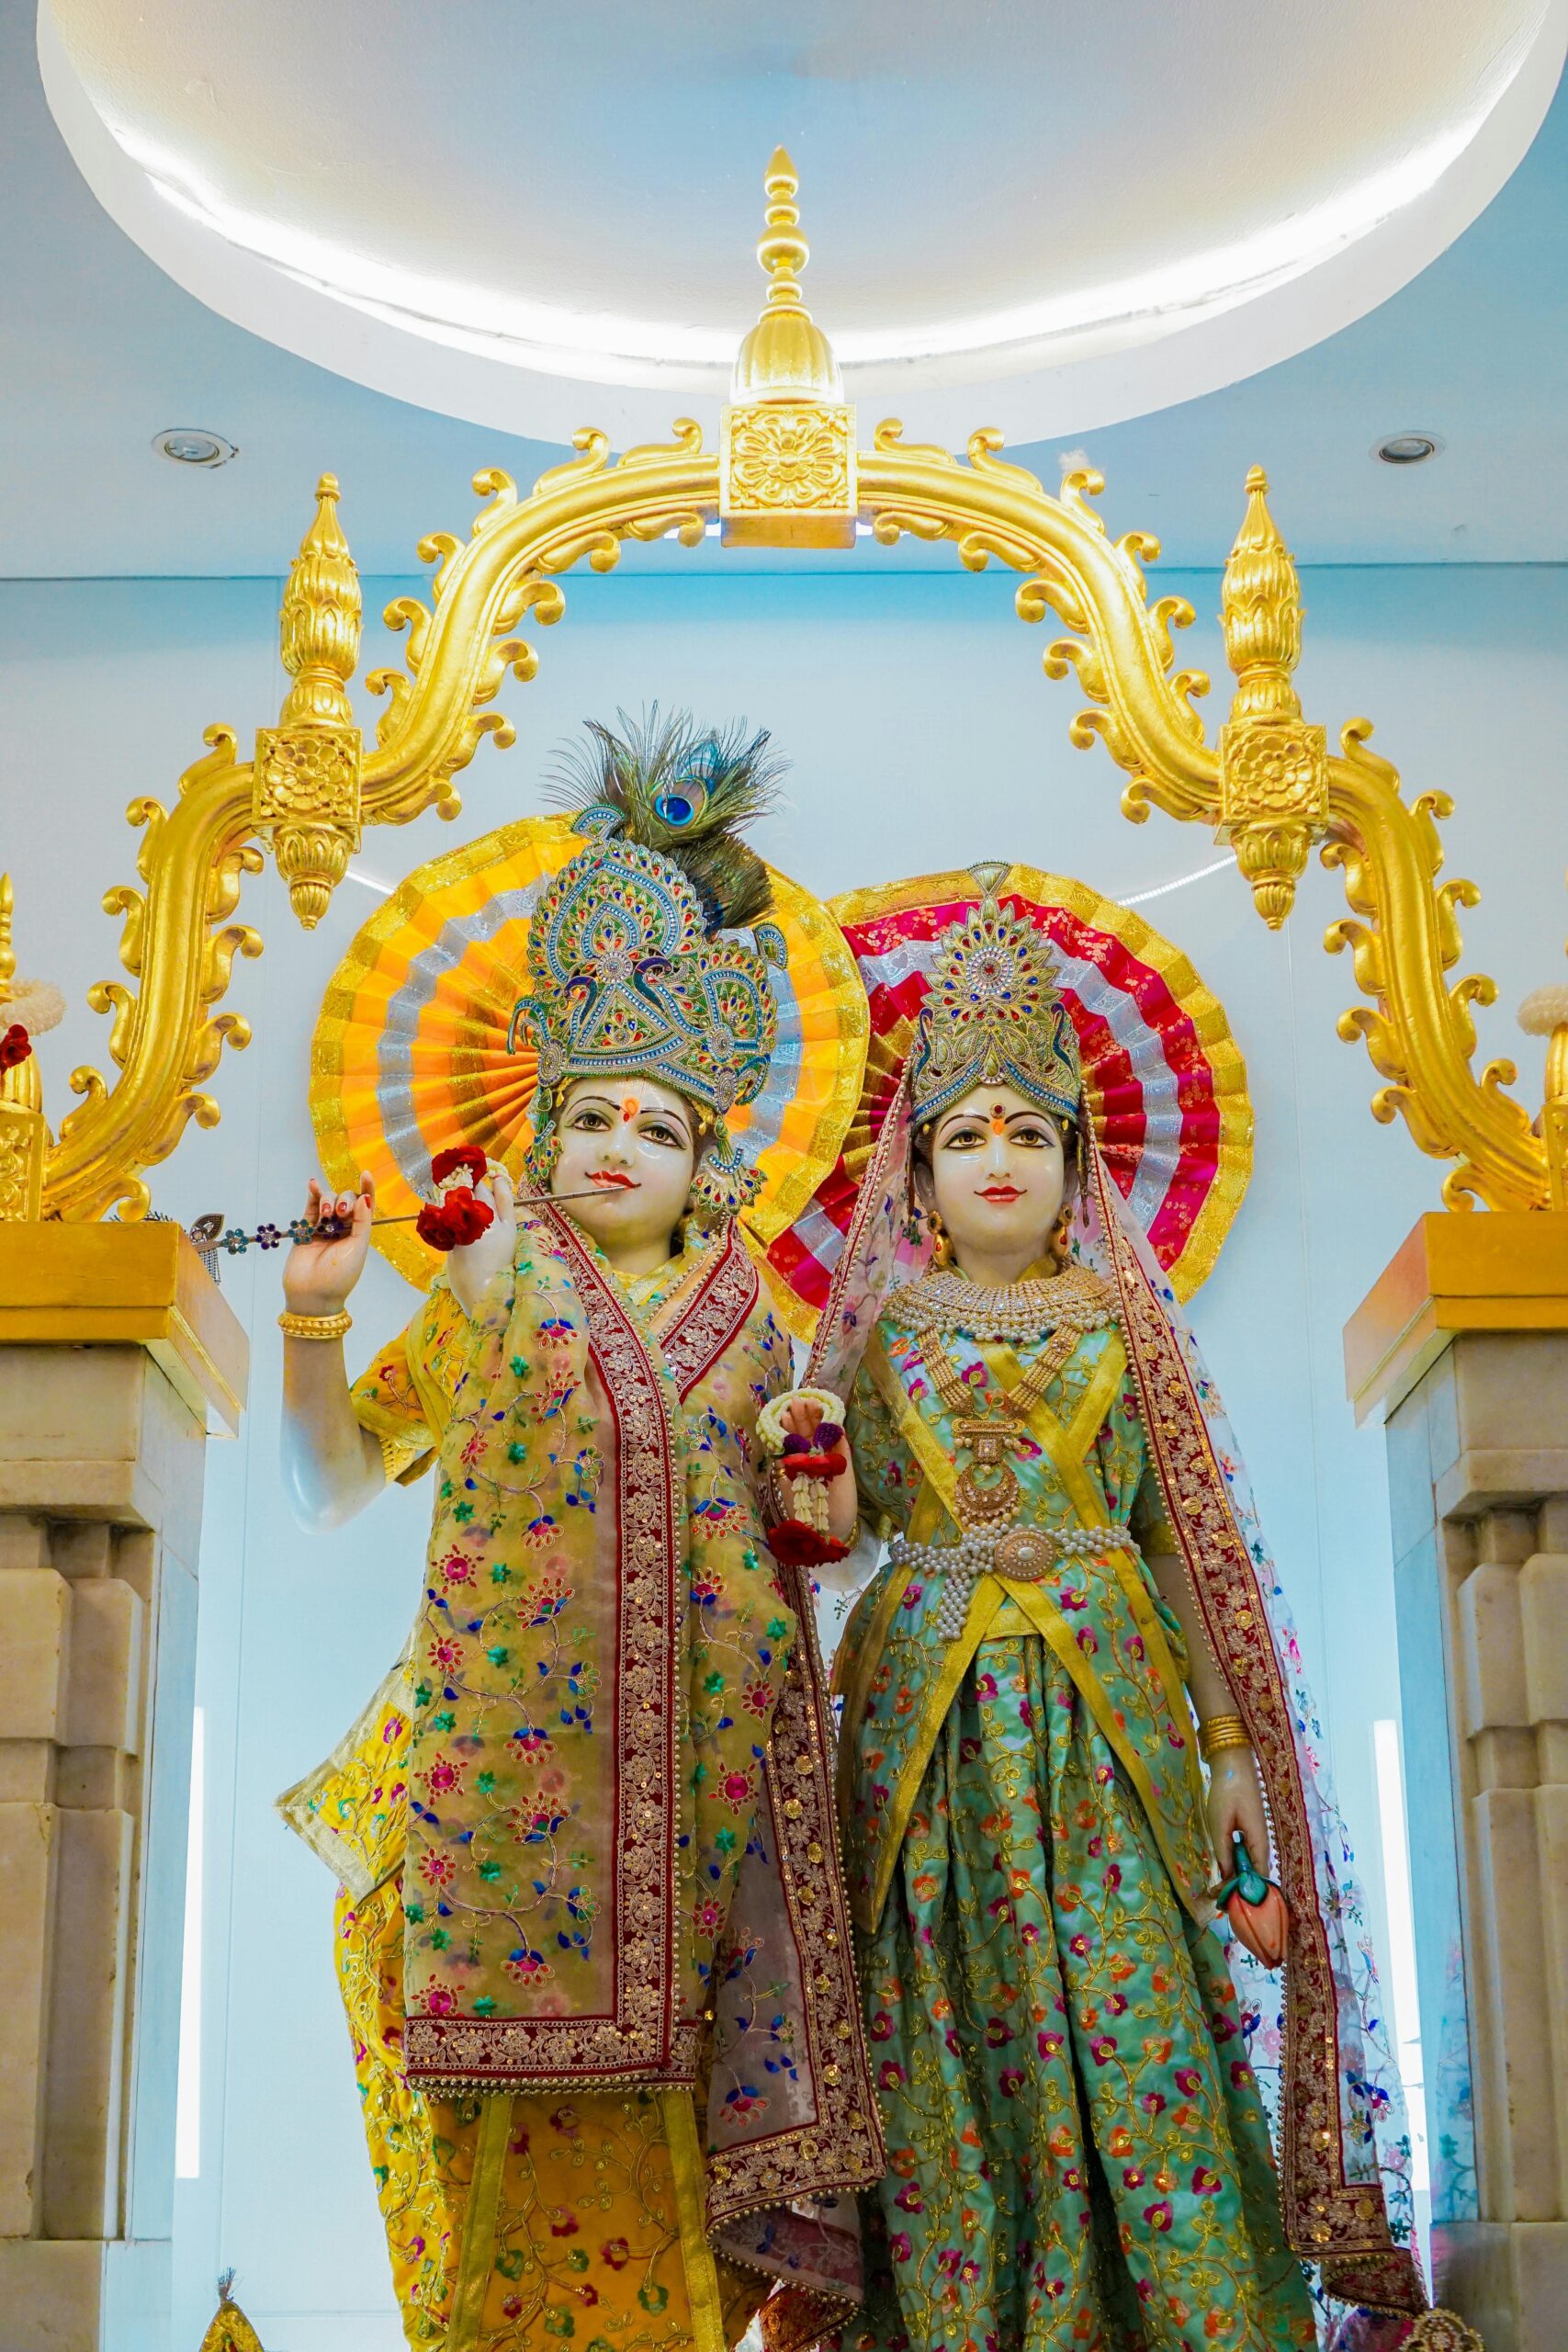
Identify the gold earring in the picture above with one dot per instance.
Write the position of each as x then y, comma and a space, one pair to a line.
1061, 1242
943, 1254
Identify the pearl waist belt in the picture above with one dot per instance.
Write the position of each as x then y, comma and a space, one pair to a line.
1026, 1553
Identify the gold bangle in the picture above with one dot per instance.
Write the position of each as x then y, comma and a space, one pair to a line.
314, 1326
1219, 1732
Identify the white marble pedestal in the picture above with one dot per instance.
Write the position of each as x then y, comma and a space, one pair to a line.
1463, 1348
117, 1356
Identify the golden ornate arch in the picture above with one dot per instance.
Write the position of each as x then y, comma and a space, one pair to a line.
788, 472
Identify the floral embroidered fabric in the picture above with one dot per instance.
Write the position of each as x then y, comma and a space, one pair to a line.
1077, 2150
603, 1726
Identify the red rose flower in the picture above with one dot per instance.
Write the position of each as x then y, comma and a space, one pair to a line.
463, 1155
15, 1046
457, 1219
799, 1547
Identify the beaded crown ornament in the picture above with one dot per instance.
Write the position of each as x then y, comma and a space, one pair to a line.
992, 1014
634, 966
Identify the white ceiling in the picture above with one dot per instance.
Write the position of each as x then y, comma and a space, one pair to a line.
102, 350
1072, 217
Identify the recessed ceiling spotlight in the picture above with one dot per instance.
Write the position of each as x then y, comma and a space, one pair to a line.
1406, 448
189, 445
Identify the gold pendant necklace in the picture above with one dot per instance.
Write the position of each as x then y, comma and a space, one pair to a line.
987, 1493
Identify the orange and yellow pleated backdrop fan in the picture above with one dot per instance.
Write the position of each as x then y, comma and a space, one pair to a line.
409, 1053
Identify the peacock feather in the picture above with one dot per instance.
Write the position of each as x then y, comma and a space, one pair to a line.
684, 790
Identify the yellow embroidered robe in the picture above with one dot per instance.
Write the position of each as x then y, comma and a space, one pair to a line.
485, 1813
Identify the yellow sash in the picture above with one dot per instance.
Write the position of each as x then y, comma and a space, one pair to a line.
1000, 1605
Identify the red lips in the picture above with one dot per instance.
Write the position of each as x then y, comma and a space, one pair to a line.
1000, 1193
613, 1176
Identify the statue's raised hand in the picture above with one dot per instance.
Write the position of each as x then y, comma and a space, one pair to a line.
319, 1275
470, 1265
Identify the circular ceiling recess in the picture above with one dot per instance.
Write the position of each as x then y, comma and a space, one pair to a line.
1043, 218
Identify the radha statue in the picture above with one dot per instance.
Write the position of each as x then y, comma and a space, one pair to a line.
591, 1936
1068, 1689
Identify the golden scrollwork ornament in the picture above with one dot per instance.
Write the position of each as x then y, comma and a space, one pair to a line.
789, 473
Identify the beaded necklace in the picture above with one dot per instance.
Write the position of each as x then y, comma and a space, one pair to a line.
1074, 1303
946, 1301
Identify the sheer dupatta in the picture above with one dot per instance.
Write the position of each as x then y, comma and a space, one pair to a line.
1318, 2045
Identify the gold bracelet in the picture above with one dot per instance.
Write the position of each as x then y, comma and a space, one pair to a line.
1219, 1732
314, 1326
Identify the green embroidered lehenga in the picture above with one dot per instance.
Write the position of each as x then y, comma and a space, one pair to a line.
1107, 2131
1079, 2149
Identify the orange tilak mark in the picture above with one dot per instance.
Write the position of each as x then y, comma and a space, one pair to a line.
629, 1108
998, 1124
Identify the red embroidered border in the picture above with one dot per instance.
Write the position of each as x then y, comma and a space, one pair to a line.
715, 1311
1327, 2217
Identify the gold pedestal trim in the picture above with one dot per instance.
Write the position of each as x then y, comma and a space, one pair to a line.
1456, 1271
79, 1286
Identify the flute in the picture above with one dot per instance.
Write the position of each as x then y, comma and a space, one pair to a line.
337, 1228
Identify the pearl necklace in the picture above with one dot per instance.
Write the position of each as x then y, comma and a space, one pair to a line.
1077, 1299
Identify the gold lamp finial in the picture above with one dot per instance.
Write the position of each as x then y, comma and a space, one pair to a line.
1273, 766
320, 620
787, 356
306, 792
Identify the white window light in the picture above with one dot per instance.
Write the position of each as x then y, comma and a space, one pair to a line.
188, 2091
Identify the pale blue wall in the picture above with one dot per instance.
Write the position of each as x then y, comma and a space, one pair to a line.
923, 736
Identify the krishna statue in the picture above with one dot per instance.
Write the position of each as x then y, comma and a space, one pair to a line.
1076, 1739
591, 1935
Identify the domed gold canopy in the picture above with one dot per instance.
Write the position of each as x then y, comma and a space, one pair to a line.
787, 356
787, 469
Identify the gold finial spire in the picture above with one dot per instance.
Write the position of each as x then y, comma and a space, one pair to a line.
787, 356
784, 252
1273, 766
305, 789
321, 620
1261, 609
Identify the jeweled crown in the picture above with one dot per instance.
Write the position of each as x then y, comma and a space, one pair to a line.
627, 978
633, 966
992, 1014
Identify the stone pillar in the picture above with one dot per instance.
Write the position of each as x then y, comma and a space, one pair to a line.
1463, 1348
117, 1356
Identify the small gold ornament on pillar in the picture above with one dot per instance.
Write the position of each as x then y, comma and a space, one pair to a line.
786, 461
1273, 766
307, 768
32, 1006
